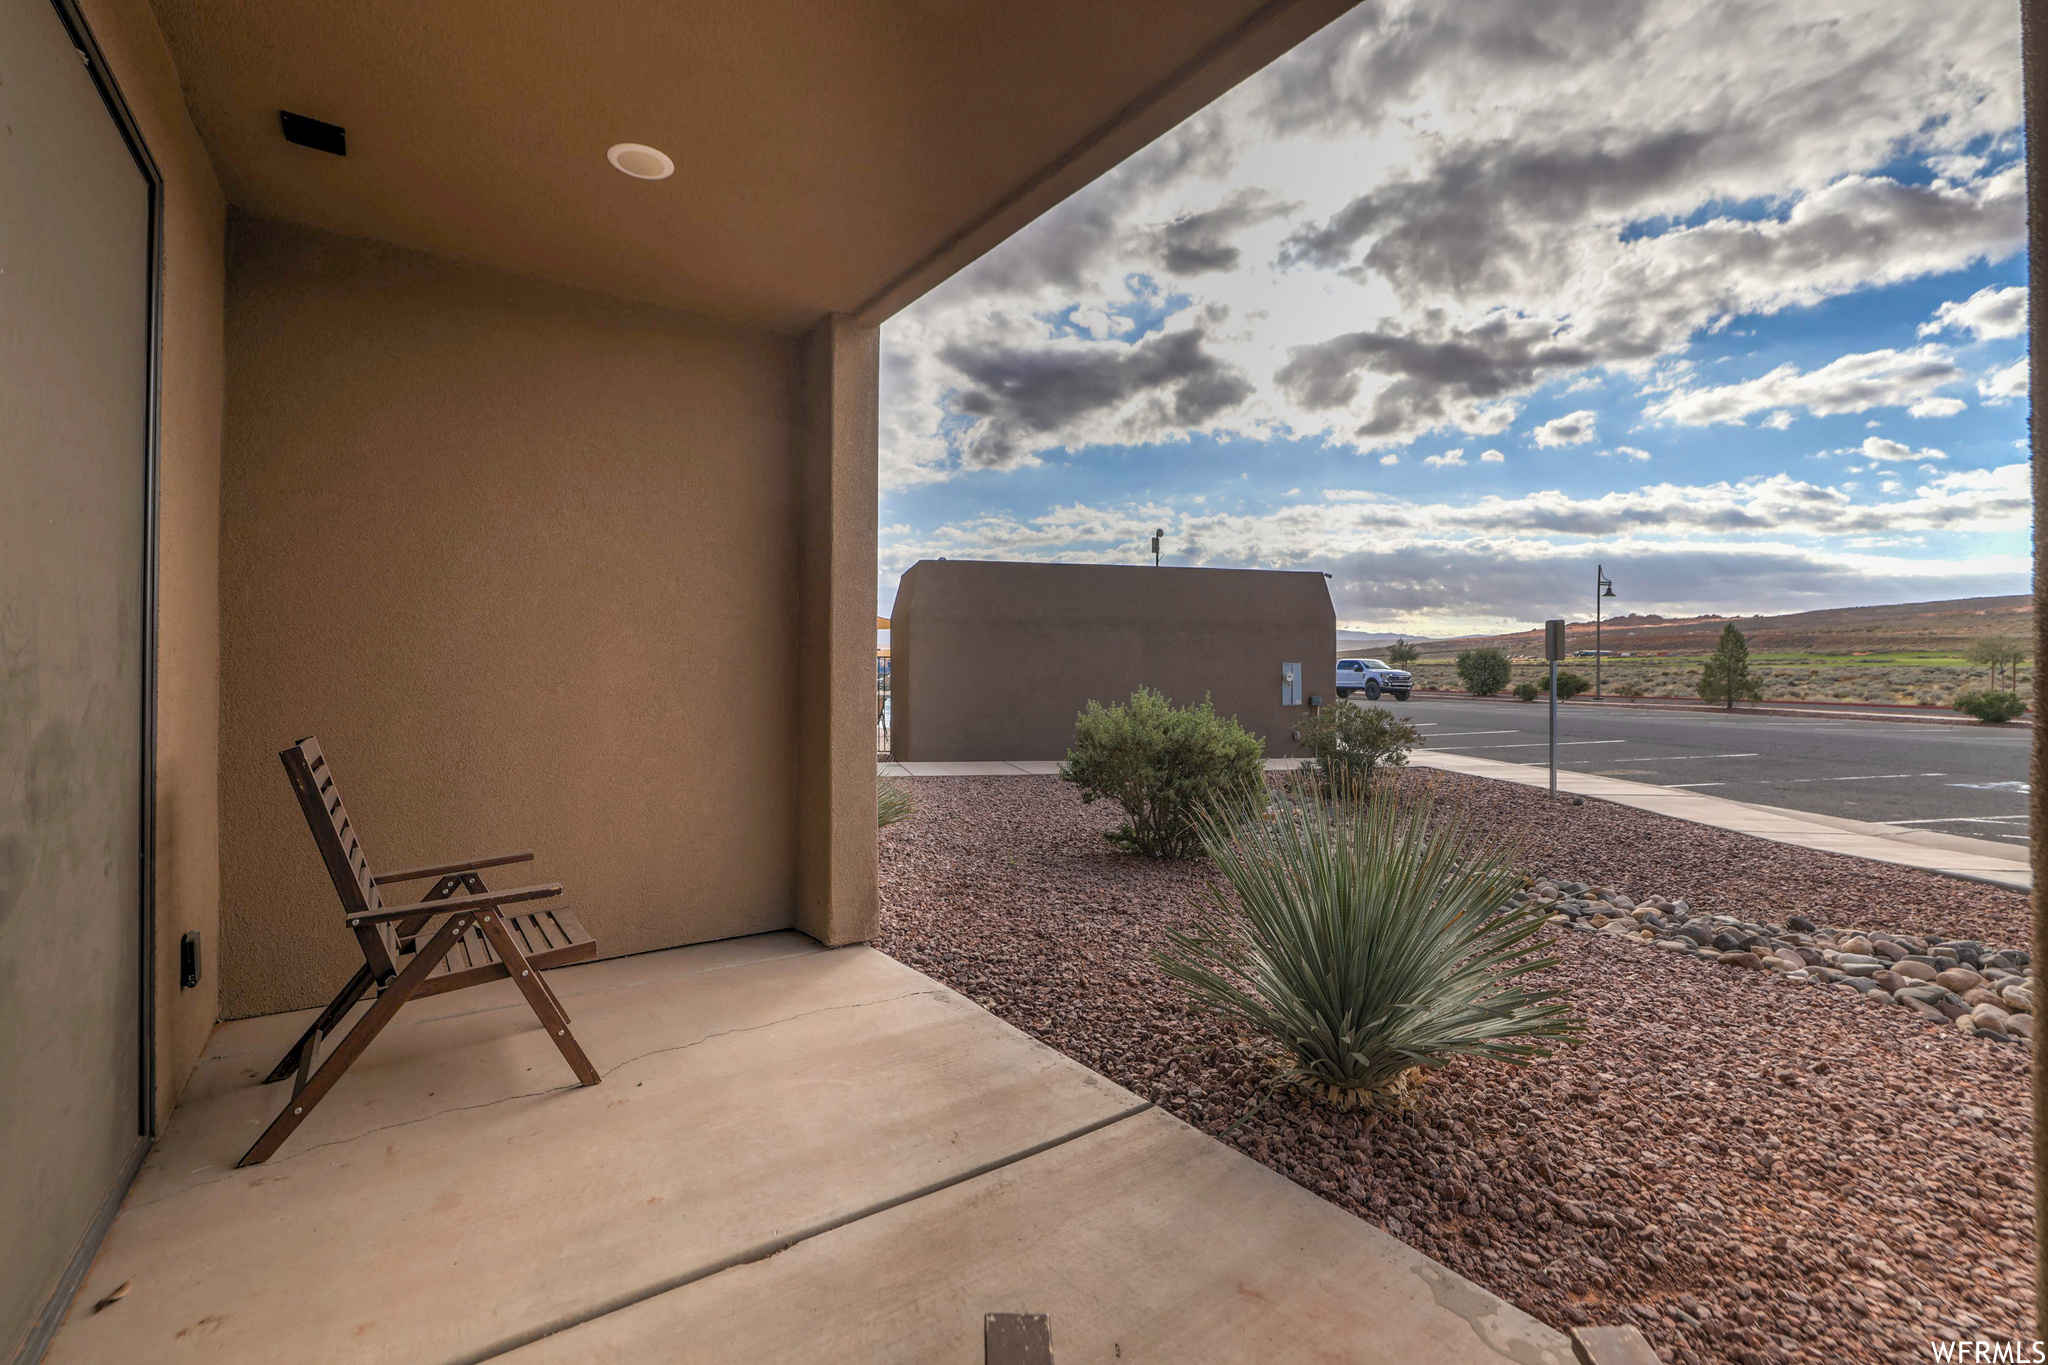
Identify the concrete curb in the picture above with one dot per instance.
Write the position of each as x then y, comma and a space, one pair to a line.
1971, 860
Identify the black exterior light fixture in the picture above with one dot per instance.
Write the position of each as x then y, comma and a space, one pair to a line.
1157, 536
1602, 587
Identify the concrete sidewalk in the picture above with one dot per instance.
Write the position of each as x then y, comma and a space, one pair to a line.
1018, 768
1977, 860
796, 1154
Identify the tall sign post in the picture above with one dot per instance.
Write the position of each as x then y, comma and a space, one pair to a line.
1553, 650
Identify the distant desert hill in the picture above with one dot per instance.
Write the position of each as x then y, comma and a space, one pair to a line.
1943, 627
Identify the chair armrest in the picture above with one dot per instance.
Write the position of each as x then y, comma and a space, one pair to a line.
420, 874
458, 904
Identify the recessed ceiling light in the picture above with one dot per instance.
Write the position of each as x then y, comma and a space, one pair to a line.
642, 163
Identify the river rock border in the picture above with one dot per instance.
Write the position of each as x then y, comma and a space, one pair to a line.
1978, 990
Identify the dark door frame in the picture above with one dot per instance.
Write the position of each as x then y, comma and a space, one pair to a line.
55, 1308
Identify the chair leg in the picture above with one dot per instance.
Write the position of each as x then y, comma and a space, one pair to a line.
553, 999
473, 883
349, 1048
336, 1010
538, 996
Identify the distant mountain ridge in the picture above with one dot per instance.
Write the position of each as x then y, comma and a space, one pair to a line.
1938, 626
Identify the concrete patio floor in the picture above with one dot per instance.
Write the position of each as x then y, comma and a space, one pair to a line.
795, 1155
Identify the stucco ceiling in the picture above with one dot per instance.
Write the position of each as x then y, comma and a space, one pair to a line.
830, 154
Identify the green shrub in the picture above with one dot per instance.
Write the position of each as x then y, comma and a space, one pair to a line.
1483, 671
1630, 690
1528, 691
1162, 764
1367, 939
1352, 743
892, 802
1569, 685
1991, 708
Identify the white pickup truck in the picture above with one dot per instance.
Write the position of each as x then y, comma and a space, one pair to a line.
1372, 677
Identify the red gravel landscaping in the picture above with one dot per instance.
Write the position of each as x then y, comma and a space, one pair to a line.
1747, 1168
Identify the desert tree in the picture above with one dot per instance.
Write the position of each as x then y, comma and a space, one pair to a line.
1726, 678
2000, 654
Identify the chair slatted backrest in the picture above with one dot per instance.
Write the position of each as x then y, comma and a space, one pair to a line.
341, 848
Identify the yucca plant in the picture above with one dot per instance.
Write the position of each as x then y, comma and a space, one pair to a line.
1367, 939
892, 802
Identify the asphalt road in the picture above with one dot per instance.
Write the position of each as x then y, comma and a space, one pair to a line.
1953, 779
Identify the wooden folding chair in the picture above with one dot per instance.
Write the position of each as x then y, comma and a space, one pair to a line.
408, 955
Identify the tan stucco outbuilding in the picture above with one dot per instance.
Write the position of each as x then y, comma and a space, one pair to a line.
993, 660
543, 495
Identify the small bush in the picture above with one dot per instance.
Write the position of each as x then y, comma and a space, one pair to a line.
1991, 708
1569, 685
1528, 691
1368, 939
892, 802
1628, 689
1352, 743
1483, 671
1163, 764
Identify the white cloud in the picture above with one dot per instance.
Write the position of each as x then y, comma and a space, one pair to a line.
1937, 407
1574, 428
1449, 457
1348, 245
1353, 251
1747, 545
1974, 500
1989, 313
1850, 383
2005, 383
1879, 449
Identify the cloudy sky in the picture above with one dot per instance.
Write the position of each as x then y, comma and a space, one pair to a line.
1458, 299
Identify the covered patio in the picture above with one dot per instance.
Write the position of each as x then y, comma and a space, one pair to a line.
543, 495
795, 1154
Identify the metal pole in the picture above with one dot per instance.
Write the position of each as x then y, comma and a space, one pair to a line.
1599, 577
1553, 729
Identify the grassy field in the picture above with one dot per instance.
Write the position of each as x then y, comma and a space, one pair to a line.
1896, 678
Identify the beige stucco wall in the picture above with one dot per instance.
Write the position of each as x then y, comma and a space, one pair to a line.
524, 558
188, 510
993, 660
838, 900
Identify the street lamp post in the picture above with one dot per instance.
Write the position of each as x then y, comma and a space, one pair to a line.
1602, 587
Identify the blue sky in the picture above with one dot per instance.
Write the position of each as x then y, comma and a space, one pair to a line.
1459, 299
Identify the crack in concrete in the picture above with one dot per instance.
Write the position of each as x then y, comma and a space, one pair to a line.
275, 1162
778, 1245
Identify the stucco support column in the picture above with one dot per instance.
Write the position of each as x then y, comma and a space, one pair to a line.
835, 777
2034, 74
